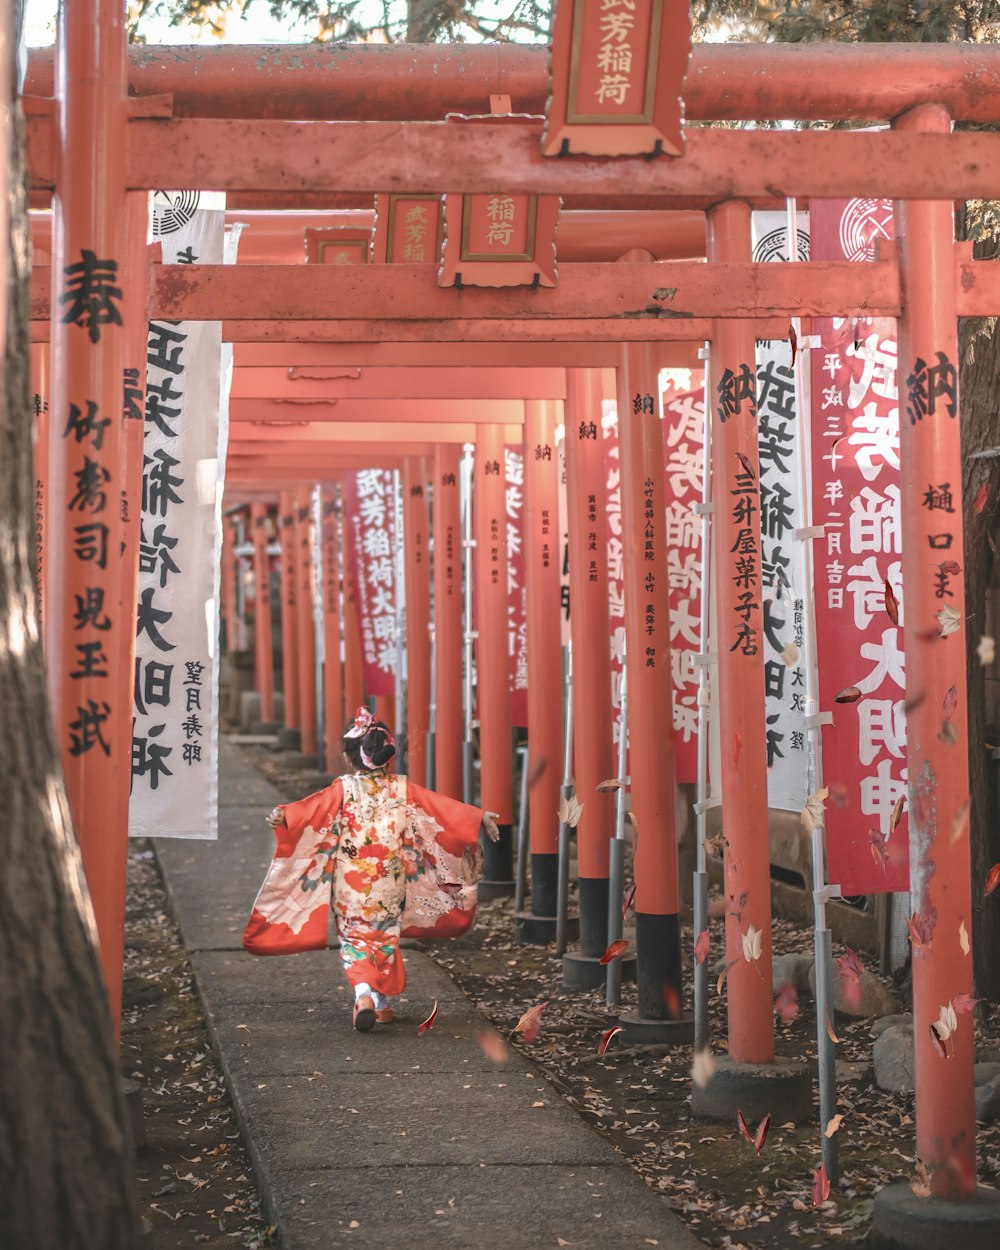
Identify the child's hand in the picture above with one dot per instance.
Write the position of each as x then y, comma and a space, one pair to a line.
490, 825
276, 817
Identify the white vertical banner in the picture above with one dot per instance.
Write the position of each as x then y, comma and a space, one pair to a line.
783, 578
175, 700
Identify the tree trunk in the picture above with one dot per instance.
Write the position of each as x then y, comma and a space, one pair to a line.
65, 1155
980, 414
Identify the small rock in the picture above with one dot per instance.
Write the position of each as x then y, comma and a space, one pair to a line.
905, 1018
892, 1057
988, 1101
871, 999
791, 970
987, 1072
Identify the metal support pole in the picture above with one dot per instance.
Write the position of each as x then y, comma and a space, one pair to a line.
468, 635
430, 772
568, 792
523, 825
616, 865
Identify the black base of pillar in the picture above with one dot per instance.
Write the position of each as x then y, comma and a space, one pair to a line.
535, 930
902, 1221
132, 1092
288, 739
756, 1089
586, 972
498, 864
594, 893
638, 1030
262, 728
658, 945
544, 884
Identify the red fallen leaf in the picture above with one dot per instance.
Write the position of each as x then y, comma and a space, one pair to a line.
672, 1002
606, 1037
838, 792
891, 606
786, 1004
701, 947
829, 1030
614, 951
737, 748
950, 702
937, 1041
849, 694
793, 342
992, 880
530, 1023
628, 900
897, 811
951, 567
761, 1135
821, 1185
964, 1003
428, 1024
878, 844
980, 501
746, 464
919, 930
741, 1124
850, 966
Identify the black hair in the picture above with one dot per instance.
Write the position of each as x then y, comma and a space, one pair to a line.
378, 746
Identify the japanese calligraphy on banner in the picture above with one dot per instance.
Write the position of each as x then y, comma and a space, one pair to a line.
856, 500
782, 558
370, 531
618, 71
517, 614
175, 722
684, 468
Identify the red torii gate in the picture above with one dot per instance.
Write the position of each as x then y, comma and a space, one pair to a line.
928, 286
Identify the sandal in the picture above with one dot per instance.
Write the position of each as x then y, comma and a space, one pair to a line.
364, 1014
385, 1015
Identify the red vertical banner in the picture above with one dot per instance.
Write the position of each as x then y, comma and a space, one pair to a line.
449, 725
289, 611
418, 589
333, 673
684, 466
517, 641
859, 629
370, 525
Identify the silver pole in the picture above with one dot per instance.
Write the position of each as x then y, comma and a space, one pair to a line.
822, 892
700, 899
616, 862
431, 776
468, 544
568, 792
316, 584
521, 884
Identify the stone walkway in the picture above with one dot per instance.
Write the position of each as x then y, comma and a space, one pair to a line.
387, 1137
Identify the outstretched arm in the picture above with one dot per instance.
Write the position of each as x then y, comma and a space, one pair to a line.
276, 817
490, 826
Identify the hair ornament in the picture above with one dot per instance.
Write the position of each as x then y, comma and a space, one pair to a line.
363, 721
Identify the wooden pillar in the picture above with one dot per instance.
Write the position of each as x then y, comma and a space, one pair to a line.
652, 761
263, 642
418, 641
545, 681
489, 522
304, 618
333, 673
590, 633
448, 620
83, 626
740, 644
385, 709
289, 611
227, 584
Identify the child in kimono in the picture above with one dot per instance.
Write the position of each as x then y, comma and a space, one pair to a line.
390, 857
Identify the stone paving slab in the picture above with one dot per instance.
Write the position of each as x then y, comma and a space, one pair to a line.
384, 1137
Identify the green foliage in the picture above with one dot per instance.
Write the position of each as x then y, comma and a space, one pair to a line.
861, 21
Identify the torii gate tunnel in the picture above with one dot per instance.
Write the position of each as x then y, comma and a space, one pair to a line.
376, 365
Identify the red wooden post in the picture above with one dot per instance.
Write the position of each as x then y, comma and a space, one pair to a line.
586, 486
263, 642
227, 584
84, 633
545, 664
447, 621
418, 641
289, 613
304, 619
385, 709
489, 522
650, 688
333, 669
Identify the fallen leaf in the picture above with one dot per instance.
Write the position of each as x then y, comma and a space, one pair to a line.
628, 900
760, 1137
832, 1125
950, 702
715, 848
891, 604
744, 1128
897, 812
980, 501
723, 974
786, 1004
964, 1004
793, 342
849, 694
703, 1067
790, 654
829, 1030
570, 811
493, 1046
428, 1024
752, 944
748, 467
632, 820
987, 650
606, 1037
701, 946
614, 951
530, 1023
951, 567
992, 880
920, 1181
963, 938
937, 1041
610, 786
949, 619
821, 1186
850, 966
737, 748
878, 847
472, 864
812, 814
948, 734
919, 930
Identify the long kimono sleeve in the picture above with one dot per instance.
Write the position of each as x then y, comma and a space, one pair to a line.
291, 911
440, 899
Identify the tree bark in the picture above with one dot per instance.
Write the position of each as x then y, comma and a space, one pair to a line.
65, 1154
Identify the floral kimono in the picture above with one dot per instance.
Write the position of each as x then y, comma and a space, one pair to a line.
392, 859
